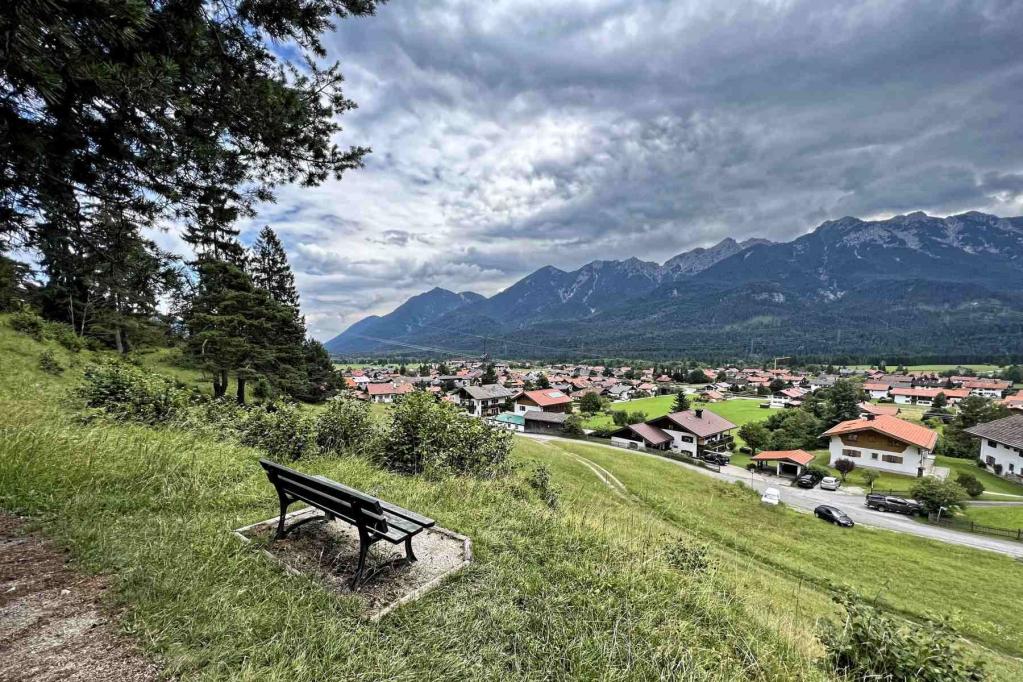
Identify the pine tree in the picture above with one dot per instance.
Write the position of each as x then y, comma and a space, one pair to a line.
268, 265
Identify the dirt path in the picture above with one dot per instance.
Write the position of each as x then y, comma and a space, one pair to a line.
52, 625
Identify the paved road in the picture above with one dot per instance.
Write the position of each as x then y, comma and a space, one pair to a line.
851, 502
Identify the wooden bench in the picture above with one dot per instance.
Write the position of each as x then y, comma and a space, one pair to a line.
375, 519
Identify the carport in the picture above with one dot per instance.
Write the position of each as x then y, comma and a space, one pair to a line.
786, 462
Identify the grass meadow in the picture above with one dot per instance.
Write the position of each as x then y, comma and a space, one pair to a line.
589, 590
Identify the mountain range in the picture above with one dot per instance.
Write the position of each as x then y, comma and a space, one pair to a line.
909, 285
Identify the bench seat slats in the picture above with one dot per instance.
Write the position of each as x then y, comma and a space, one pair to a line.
424, 521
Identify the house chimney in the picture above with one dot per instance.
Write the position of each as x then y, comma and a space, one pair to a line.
699, 414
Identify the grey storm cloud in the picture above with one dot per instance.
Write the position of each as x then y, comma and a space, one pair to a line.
513, 134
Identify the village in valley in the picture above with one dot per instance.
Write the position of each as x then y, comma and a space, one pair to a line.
700, 414
903, 410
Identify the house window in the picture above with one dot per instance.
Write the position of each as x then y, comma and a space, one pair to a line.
686, 439
873, 455
853, 437
850, 453
1012, 468
990, 460
892, 459
992, 444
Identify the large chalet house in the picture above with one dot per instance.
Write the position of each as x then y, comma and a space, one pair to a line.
692, 432
543, 400
1001, 445
484, 401
885, 443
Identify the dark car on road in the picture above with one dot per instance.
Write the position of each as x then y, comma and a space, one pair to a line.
833, 515
806, 481
890, 503
716, 458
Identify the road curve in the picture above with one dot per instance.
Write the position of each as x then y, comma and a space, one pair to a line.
851, 503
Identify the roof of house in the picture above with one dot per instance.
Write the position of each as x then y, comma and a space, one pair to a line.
875, 387
510, 418
715, 395
871, 408
994, 384
388, 389
1008, 430
648, 432
892, 427
547, 396
800, 457
931, 392
549, 417
704, 425
487, 391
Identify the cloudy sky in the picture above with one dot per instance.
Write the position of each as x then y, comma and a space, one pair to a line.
508, 135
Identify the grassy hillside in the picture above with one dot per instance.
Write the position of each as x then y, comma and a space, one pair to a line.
591, 590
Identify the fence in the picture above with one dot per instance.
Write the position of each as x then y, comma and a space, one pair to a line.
971, 527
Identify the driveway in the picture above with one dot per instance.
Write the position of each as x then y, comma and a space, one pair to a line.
850, 501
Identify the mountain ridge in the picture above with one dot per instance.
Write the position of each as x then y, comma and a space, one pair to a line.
807, 295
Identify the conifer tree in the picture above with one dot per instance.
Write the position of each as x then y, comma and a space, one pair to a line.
268, 265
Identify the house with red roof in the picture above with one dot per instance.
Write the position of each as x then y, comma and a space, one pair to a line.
387, 392
543, 400
786, 462
1014, 402
885, 443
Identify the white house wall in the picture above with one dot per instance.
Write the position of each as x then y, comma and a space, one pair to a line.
911, 458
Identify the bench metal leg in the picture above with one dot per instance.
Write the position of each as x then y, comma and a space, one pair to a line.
364, 544
285, 502
410, 556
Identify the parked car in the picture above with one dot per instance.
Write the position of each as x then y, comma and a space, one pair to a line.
833, 515
771, 496
830, 483
889, 503
716, 458
806, 481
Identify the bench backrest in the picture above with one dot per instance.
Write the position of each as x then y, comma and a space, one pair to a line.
344, 502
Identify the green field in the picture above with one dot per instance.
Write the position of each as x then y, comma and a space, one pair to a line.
978, 368
998, 517
738, 411
586, 591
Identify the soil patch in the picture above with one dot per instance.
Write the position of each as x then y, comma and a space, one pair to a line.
52, 623
329, 551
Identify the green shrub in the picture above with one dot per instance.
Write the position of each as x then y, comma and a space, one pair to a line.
427, 436
65, 336
132, 394
869, 645
48, 363
343, 425
970, 484
279, 429
28, 322
934, 494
